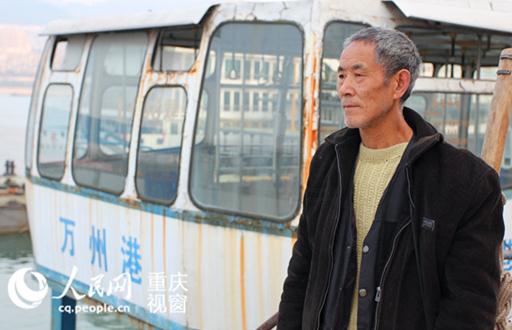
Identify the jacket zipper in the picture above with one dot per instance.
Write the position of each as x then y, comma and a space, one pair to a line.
331, 244
384, 271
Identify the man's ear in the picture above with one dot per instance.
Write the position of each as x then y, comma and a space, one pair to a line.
402, 82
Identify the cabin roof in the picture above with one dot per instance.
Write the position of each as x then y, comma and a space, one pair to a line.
491, 15
485, 14
182, 15
149, 19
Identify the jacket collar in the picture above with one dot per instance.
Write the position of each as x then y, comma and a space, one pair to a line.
424, 137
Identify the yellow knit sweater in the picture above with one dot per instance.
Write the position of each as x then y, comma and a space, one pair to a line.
374, 169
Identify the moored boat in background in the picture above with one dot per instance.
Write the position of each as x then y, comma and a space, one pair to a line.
13, 211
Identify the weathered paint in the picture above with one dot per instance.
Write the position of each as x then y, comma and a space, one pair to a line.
197, 216
149, 19
227, 286
311, 131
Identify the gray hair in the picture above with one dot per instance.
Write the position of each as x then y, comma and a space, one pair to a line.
394, 51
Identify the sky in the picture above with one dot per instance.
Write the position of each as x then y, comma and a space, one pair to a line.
40, 12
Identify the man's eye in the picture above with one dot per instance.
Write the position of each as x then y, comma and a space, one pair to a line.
341, 76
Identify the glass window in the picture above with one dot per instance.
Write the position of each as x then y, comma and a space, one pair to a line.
114, 124
446, 111
227, 103
249, 161
33, 109
236, 101
450, 71
67, 53
255, 101
506, 165
107, 103
177, 49
426, 70
53, 134
487, 73
458, 53
232, 68
480, 109
462, 118
160, 144
331, 114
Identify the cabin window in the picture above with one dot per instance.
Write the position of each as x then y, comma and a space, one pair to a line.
160, 144
506, 165
53, 133
33, 110
458, 53
177, 49
448, 112
487, 73
426, 70
107, 103
331, 113
67, 53
462, 54
246, 156
479, 113
462, 119
480, 109
450, 71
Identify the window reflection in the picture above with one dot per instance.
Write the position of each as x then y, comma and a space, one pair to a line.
105, 114
53, 135
247, 143
160, 144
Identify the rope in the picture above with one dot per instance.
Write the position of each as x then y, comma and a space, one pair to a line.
504, 302
504, 299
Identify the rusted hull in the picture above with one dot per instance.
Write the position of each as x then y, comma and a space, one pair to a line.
234, 277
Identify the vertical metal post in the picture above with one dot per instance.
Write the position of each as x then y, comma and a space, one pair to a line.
62, 319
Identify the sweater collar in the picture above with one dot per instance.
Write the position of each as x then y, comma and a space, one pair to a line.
424, 136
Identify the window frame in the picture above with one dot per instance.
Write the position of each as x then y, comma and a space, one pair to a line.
139, 194
54, 48
157, 51
247, 215
320, 80
79, 100
34, 109
67, 131
458, 30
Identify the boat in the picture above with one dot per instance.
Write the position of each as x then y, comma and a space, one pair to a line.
172, 149
13, 213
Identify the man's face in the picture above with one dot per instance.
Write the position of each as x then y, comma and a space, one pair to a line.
365, 95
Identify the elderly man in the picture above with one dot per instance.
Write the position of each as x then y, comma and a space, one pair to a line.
399, 229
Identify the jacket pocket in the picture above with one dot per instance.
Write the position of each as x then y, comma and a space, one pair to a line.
429, 265
428, 231
427, 241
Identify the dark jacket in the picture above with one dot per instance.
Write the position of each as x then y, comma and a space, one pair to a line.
437, 262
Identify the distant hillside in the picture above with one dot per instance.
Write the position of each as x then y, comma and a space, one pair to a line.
21, 48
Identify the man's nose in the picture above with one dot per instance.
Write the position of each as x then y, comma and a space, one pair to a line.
345, 87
